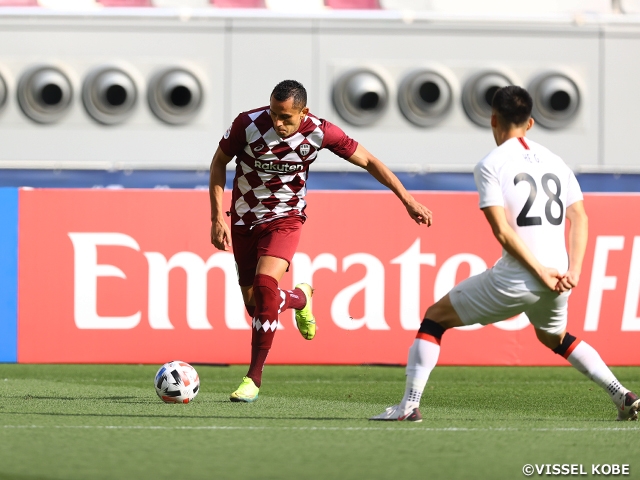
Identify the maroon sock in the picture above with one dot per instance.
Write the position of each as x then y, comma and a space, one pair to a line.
295, 299
258, 359
264, 323
251, 310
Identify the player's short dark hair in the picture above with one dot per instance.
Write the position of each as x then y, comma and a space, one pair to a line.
291, 88
512, 104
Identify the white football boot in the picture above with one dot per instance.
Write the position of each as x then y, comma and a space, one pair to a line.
396, 414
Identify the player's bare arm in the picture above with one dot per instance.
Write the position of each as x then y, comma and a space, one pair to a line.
578, 234
364, 159
513, 244
220, 233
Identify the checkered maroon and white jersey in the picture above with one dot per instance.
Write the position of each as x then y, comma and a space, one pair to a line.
271, 172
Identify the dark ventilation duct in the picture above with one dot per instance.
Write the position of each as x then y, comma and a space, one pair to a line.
477, 95
360, 97
556, 100
425, 98
175, 96
44, 94
109, 94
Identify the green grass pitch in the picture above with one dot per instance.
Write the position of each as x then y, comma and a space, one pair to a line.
105, 422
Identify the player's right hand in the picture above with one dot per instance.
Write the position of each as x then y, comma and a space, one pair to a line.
220, 235
419, 213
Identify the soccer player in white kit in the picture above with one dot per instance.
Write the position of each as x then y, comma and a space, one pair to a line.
526, 192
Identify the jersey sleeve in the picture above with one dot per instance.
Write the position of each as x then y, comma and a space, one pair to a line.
234, 139
574, 193
336, 141
488, 185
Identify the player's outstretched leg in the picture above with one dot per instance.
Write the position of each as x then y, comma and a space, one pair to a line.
300, 300
587, 360
304, 317
423, 357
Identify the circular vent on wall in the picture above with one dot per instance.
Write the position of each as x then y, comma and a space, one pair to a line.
109, 95
478, 93
175, 96
360, 97
425, 98
45, 94
556, 100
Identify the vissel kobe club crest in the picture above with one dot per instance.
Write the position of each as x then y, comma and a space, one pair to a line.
305, 148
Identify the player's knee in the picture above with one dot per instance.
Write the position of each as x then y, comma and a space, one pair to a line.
433, 311
551, 341
443, 313
265, 292
247, 296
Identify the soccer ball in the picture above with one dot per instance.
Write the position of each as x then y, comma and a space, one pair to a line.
177, 382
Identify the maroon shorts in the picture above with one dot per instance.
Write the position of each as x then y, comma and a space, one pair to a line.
278, 238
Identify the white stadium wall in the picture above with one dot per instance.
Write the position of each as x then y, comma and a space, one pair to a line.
234, 58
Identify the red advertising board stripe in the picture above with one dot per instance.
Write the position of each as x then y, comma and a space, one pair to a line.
129, 276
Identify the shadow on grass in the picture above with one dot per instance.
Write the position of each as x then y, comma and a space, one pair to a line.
39, 397
173, 417
114, 399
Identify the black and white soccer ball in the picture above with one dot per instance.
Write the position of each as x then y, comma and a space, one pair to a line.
177, 382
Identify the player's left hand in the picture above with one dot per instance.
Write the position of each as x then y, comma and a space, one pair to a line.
419, 213
568, 281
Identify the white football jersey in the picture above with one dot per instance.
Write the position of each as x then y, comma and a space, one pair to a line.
535, 187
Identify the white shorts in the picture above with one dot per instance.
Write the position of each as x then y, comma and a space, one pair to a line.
483, 299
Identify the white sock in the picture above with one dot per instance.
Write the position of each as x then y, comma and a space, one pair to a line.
587, 361
423, 356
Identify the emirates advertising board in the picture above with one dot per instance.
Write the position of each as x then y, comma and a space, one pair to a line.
130, 276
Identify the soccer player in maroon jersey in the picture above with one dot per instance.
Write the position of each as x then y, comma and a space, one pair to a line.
274, 146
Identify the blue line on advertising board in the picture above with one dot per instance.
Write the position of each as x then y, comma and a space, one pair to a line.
8, 274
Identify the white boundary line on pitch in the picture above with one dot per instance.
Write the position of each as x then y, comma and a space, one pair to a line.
346, 429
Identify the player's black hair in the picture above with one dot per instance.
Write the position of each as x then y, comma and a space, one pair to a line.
512, 104
291, 88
